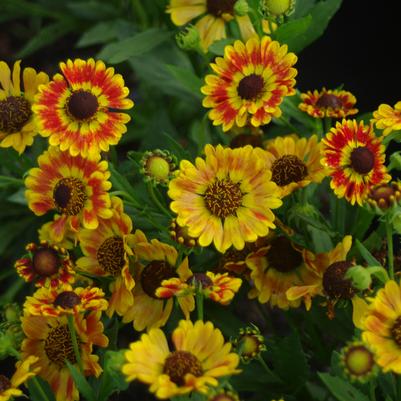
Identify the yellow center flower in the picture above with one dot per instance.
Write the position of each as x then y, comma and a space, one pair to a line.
359, 360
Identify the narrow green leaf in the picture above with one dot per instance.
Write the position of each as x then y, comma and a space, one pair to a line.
10, 182
80, 381
188, 79
341, 389
40, 390
218, 47
46, 36
100, 33
366, 254
289, 32
134, 46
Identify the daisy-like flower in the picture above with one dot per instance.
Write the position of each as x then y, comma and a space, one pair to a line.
328, 103
49, 339
65, 300
17, 125
294, 162
384, 196
24, 371
106, 253
275, 268
199, 358
77, 111
249, 83
74, 186
157, 263
46, 265
388, 118
56, 232
328, 279
382, 327
226, 198
218, 287
355, 160
215, 14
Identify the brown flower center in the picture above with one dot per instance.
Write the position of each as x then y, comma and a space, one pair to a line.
396, 331
385, 195
334, 283
67, 299
46, 261
179, 363
58, 346
219, 7
69, 196
5, 384
82, 105
153, 274
282, 256
328, 100
111, 255
362, 160
223, 197
251, 87
200, 278
15, 111
288, 169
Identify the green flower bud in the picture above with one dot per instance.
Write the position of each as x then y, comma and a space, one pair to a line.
277, 8
158, 166
188, 38
241, 7
11, 313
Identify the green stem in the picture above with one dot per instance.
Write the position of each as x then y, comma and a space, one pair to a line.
199, 302
42, 393
390, 251
372, 392
340, 215
156, 200
398, 380
140, 12
74, 340
327, 124
288, 124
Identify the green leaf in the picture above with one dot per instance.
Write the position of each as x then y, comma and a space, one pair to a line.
93, 10
134, 46
10, 182
39, 389
100, 33
321, 14
321, 240
188, 79
80, 381
46, 36
341, 389
289, 32
366, 254
218, 47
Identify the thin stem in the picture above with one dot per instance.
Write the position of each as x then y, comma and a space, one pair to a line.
75, 342
327, 124
42, 393
288, 124
372, 392
199, 302
156, 200
390, 250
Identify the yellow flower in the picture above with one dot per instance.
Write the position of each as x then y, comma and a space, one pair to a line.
382, 327
215, 14
24, 371
17, 125
65, 300
200, 357
226, 198
249, 83
77, 111
294, 162
388, 118
49, 339
106, 253
150, 310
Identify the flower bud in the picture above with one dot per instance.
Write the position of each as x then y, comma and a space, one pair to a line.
188, 38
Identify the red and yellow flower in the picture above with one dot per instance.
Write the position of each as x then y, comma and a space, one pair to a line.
23, 372
328, 103
76, 111
249, 83
46, 265
218, 287
64, 300
382, 327
294, 162
388, 118
199, 358
17, 125
275, 268
355, 160
66, 238
226, 198
49, 339
150, 311
75, 187
214, 17
106, 253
